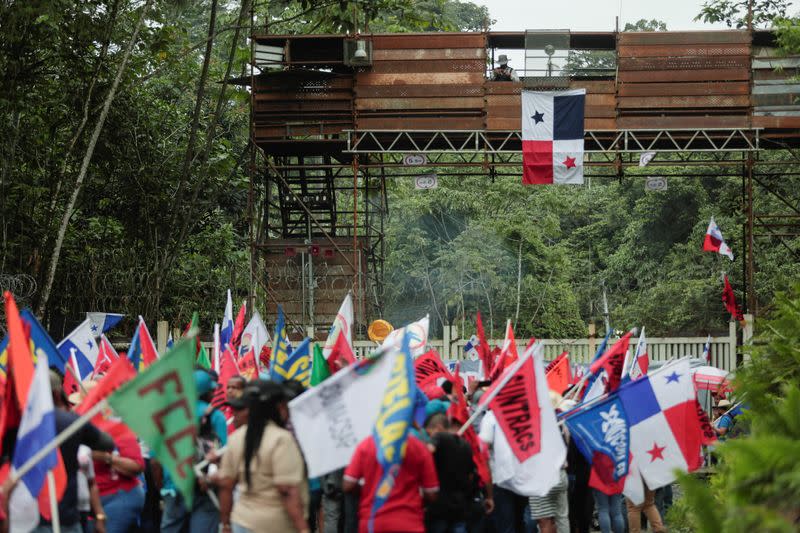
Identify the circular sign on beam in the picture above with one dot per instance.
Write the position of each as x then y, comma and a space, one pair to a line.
426, 181
415, 160
655, 183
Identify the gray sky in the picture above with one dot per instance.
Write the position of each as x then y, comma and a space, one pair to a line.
583, 15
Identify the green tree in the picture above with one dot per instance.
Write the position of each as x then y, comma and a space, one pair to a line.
757, 486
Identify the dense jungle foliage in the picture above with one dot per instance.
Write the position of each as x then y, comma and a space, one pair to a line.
124, 184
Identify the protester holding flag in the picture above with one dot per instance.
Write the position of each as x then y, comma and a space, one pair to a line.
203, 515
89, 435
264, 460
396, 468
116, 475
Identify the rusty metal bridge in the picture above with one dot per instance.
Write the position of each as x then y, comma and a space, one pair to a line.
335, 115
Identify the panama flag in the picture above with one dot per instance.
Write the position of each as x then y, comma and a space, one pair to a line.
342, 323
82, 340
552, 137
707, 351
641, 361
714, 241
665, 431
37, 428
102, 322
226, 331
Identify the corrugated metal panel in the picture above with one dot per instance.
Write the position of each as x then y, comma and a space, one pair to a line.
688, 50
684, 37
429, 40
421, 91
423, 54
683, 101
466, 78
684, 63
675, 122
683, 89
451, 65
450, 102
709, 75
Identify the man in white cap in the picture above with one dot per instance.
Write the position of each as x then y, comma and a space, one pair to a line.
504, 72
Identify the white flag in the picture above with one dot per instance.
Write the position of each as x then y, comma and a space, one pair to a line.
418, 332
332, 418
645, 158
542, 471
255, 336
342, 322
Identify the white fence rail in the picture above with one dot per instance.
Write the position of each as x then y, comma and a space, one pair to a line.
723, 349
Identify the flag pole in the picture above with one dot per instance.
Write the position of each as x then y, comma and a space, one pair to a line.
56, 442
73, 369
484, 404
55, 519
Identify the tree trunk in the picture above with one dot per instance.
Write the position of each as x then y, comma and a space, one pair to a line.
87, 158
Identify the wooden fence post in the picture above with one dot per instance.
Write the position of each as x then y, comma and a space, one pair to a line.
446, 341
592, 340
732, 345
747, 337
162, 332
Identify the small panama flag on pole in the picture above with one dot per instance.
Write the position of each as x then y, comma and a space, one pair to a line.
552, 137
714, 241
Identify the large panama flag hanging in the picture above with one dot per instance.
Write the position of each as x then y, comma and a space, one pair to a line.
552, 137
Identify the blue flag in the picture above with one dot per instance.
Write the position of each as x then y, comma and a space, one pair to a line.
41, 343
296, 366
392, 426
102, 322
281, 347
603, 428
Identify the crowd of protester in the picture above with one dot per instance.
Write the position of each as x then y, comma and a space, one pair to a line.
252, 476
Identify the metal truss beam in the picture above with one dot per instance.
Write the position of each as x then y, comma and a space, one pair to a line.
466, 143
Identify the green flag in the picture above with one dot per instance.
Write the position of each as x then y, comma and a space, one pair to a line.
201, 355
159, 405
319, 367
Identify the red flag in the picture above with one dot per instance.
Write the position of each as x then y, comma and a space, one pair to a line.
559, 373
729, 299
119, 372
508, 354
516, 408
428, 368
106, 356
238, 327
70, 384
341, 355
264, 357
228, 369
19, 369
484, 352
248, 366
459, 413
498, 365
60, 478
613, 361
149, 354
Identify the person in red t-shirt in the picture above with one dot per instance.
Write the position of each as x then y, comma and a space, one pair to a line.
116, 475
403, 510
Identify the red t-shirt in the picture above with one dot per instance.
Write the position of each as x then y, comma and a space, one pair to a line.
403, 510
128, 447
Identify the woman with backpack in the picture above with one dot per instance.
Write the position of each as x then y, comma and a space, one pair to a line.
264, 460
